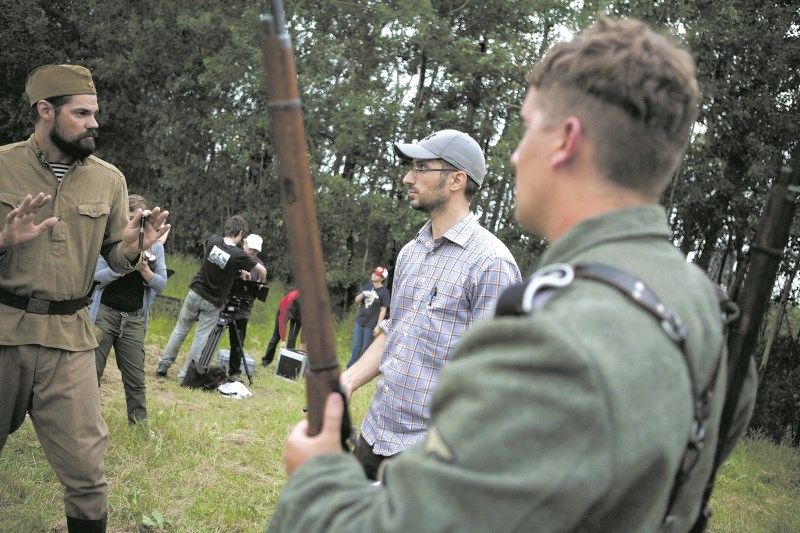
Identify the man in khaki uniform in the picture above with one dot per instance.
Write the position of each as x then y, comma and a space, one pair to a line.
572, 413
61, 207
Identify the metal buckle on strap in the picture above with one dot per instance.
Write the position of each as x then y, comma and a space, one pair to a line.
556, 275
37, 306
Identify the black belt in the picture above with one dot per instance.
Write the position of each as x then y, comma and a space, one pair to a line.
44, 307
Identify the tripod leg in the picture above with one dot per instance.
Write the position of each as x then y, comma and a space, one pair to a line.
211, 345
238, 340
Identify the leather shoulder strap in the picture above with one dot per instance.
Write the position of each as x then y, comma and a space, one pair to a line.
536, 290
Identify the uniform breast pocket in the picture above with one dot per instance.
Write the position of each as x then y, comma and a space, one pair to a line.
8, 202
94, 210
90, 224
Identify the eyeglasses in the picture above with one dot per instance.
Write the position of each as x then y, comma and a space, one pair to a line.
418, 167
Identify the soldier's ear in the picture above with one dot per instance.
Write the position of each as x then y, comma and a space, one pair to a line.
571, 136
46, 110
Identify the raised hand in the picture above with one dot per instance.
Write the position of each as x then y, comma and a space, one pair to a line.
154, 228
20, 227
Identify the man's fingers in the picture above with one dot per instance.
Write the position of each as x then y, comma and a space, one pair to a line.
27, 209
332, 419
40, 200
25, 204
301, 428
46, 224
30, 205
158, 219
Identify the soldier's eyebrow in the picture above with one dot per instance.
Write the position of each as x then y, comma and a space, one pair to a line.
84, 109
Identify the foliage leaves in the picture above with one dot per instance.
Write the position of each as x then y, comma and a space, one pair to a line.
184, 111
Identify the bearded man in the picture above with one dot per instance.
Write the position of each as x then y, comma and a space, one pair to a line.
60, 208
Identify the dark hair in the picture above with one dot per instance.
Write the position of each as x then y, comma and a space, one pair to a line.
471, 189
633, 90
136, 201
234, 225
56, 101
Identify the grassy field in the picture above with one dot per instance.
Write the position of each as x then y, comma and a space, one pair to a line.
208, 463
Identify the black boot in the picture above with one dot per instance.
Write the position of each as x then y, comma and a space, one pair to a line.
78, 525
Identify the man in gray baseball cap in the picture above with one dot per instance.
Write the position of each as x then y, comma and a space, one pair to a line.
453, 146
447, 277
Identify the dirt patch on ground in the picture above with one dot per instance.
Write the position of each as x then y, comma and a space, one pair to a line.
111, 382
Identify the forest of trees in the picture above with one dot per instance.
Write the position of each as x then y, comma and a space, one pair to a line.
183, 112
183, 108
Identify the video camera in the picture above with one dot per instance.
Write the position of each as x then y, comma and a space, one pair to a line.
244, 292
248, 290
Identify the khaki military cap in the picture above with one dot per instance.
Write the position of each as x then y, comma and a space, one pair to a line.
58, 80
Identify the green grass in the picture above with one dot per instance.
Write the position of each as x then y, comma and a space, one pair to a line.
758, 489
214, 464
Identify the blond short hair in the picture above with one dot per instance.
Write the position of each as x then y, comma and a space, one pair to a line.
635, 93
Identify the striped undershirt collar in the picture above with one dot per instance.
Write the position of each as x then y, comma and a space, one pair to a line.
59, 170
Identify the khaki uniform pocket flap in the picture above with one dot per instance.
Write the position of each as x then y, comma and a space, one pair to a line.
94, 210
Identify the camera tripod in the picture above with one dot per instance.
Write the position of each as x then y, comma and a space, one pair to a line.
224, 321
243, 292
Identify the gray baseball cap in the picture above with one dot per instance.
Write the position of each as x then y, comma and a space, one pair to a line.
455, 147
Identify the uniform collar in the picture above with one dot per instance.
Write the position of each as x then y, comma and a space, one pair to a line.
621, 224
41, 156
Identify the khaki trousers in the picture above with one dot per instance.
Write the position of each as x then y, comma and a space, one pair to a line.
125, 332
59, 390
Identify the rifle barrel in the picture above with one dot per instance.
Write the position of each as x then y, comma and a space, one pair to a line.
767, 249
297, 196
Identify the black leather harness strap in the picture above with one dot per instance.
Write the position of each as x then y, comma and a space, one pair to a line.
43, 307
544, 284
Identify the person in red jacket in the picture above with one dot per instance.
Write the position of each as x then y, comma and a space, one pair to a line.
287, 317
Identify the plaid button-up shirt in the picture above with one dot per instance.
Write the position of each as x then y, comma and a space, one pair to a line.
440, 288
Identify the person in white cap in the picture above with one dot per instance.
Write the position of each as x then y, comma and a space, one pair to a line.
252, 245
373, 300
208, 291
450, 275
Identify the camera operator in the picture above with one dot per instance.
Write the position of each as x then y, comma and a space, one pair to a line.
120, 306
208, 291
252, 245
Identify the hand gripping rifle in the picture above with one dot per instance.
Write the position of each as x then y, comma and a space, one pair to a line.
297, 196
766, 253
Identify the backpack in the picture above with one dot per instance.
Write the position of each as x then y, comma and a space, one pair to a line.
207, 379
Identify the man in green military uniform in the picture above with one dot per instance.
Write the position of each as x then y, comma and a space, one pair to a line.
61, 207
574, 412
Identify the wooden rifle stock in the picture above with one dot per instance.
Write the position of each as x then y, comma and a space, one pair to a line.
297, 196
